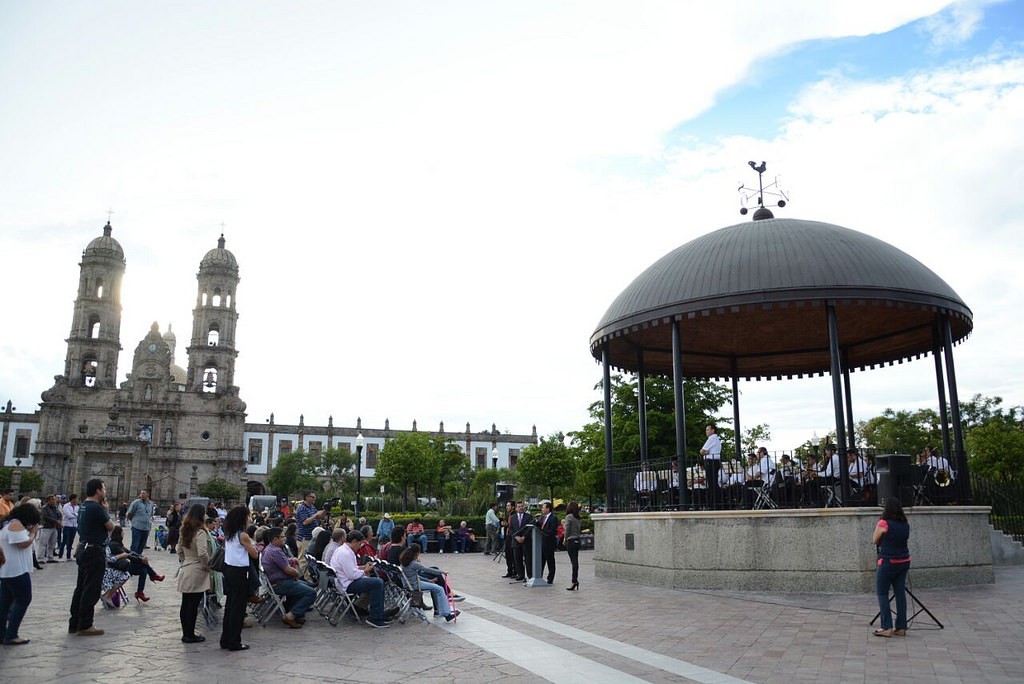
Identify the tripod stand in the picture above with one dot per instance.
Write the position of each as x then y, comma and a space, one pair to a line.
915, 604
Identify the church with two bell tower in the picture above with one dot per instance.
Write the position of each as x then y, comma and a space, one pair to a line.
164, 428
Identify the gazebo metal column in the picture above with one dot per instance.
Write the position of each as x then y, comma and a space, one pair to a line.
736, 410
940, 383
607, 427
963, 475
680, 407
641, 400
848, 394
837, 395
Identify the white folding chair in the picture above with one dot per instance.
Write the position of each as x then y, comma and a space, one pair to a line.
273, 604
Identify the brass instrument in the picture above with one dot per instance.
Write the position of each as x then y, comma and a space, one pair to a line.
811, 473
942, 478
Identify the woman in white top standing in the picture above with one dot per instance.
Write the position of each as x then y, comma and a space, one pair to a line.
238, 549
20, 528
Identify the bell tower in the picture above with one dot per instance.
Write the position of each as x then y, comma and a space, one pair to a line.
211, 353
95, 340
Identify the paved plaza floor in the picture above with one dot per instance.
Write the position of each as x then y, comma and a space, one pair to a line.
609, 631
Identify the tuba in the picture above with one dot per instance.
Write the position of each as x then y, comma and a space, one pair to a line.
942, 478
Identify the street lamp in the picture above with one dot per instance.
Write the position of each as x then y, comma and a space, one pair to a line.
494, 458
359, 470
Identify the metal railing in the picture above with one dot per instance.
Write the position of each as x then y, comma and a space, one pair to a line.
1007, 502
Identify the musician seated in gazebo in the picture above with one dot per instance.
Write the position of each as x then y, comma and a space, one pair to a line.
697, 486
753, 477
790, 471
646, 485
858, 469
939, 475
811, 490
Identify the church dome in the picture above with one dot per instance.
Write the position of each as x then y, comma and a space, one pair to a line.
105, 246
219, 258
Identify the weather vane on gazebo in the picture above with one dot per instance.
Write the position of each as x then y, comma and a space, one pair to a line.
773, 190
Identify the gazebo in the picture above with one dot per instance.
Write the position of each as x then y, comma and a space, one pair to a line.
780, 299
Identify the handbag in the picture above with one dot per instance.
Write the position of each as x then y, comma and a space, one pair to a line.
217, 560
122, 564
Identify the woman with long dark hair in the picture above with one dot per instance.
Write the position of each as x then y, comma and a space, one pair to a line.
17, 536
194, 573
890, 538
137, 565
571, 527
238, 549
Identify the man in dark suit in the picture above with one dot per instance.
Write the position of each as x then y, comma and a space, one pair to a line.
548, 527
523, 557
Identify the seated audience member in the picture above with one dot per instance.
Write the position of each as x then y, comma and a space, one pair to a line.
352, 578
414, 571
415, 534
337, 539
368, 547
137, 565
283, 575
321, 538
393, 549
290, 542
444, 536
464, 538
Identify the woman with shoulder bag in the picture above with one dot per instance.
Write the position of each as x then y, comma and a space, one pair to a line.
17, 536
194, 571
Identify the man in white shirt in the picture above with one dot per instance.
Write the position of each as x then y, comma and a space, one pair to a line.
69, 519
645, 482
712, 453
858, 468
359, 580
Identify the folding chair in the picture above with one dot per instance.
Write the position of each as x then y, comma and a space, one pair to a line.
207, 611
273, 604
399, 596
336, 603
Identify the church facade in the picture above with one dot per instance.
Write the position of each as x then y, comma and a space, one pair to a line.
165, 428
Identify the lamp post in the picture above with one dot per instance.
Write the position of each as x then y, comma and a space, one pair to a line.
360, 442
494, 458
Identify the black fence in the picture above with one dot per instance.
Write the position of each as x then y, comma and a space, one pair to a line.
1007, 502
770, 482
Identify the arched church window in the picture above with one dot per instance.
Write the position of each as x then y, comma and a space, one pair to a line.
210, 379
227, 301
90, 368
99, 288
216, 296
94, 327
204, 298
213, 337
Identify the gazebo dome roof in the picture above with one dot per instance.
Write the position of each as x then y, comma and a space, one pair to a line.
751, 298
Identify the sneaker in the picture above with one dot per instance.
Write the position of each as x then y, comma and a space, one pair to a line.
378, 625
451, 616
456, 598
90, 631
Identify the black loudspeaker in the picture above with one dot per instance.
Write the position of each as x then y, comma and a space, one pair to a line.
895, 478
503, 492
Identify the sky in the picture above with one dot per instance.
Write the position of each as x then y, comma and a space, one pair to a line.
433, 204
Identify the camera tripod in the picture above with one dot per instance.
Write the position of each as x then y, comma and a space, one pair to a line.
915, 604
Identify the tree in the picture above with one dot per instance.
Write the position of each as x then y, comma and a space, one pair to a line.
338, 468
218, 489
902, 432
996, 446
408, 460
294, 472
549, 464
31, 481
754, 436
704, 399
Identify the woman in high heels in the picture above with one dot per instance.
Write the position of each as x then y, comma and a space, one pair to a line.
571, 525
